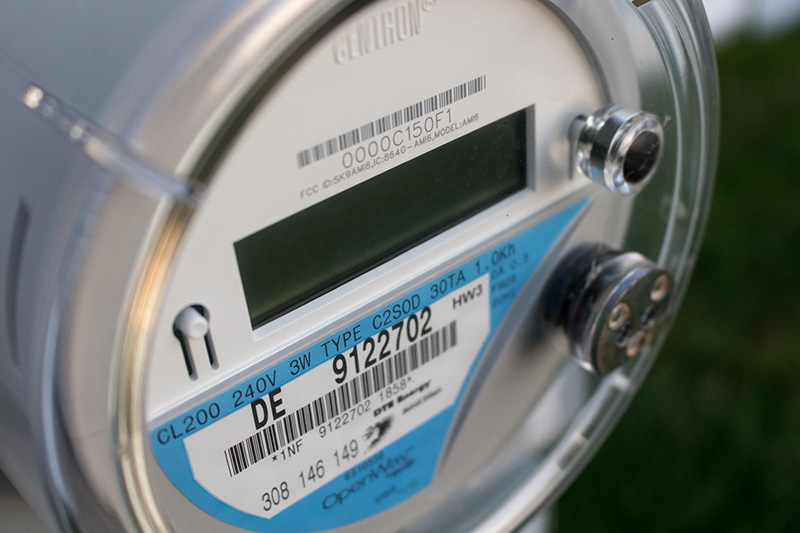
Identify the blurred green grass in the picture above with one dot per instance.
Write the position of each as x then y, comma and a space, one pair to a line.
712, 441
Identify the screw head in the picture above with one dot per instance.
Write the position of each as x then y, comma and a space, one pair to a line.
637, 344
661, 288
618, 316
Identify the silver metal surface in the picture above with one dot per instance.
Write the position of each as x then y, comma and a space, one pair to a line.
619, 148
15, 513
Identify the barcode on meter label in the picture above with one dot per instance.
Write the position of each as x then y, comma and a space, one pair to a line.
362, 416
378, 383
273, 438
393, 120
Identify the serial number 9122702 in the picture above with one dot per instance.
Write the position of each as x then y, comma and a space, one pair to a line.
371, 352
344, 419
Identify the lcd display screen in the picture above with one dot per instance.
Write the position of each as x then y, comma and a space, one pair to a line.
288, 264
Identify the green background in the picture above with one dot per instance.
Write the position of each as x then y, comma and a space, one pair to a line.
712, 440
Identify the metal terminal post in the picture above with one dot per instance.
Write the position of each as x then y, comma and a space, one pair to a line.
618, 148
610, 304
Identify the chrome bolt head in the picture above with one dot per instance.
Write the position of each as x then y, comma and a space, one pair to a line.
618, 148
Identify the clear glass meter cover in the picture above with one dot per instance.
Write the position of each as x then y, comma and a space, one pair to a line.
345, 331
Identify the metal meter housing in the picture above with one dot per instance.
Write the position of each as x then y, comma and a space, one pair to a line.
303, 265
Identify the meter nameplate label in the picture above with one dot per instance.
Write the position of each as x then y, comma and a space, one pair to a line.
350, 409
355, 424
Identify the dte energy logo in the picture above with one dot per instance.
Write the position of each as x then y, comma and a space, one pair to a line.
392, 25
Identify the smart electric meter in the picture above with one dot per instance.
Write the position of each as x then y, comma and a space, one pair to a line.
301, 265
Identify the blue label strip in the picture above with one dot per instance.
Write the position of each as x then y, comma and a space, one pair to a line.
405, 467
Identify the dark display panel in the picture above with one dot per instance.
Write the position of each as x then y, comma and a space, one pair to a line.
318, 249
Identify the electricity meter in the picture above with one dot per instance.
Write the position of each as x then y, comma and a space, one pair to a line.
301, 265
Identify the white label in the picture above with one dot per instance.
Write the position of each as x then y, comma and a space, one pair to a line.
300, 436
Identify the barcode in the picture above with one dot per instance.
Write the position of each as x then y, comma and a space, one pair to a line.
273, 438
392, 120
